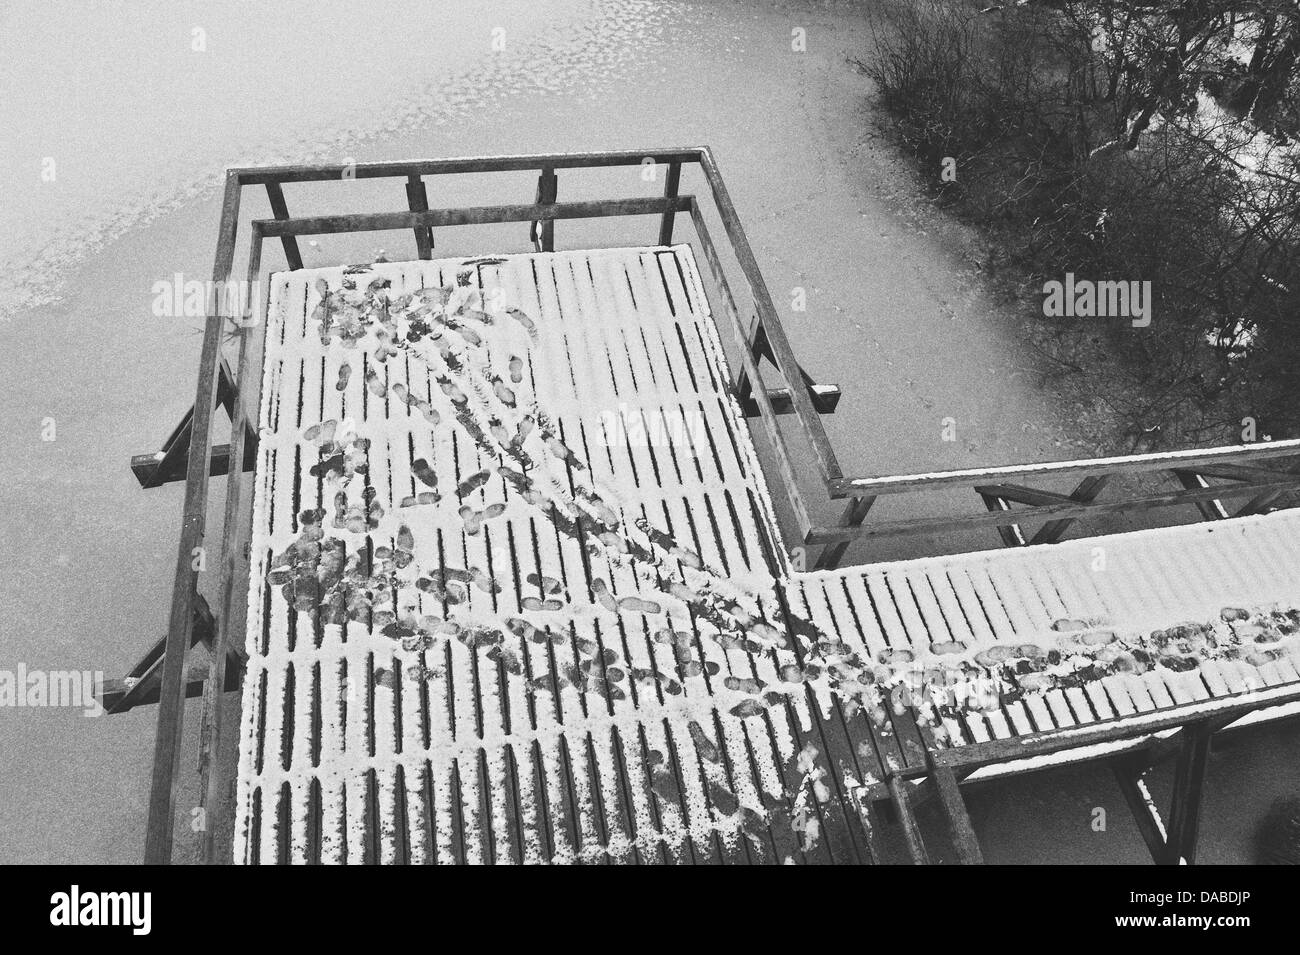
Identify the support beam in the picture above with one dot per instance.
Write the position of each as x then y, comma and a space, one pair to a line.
280, 210
1192, 459
944, 781
907, 818
1011, 534
1189, 792
169, 464
1085, 493
148, 468
1129, 770
1210, 510
963, 835
825, 399
140, 685
118, 696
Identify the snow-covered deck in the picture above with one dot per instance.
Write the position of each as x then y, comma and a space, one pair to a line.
551, 686
517, 592
1102, 628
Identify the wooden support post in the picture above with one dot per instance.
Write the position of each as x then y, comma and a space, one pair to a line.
543, 232
670, 191
944, 779
280, 210
907, 818
963, 835
1129, 770
417, 200
1189, 790
853, 516
863, 800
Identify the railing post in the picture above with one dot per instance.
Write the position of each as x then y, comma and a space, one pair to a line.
417, 200
670, 192
543, 232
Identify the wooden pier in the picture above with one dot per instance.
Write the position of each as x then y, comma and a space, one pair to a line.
516, 589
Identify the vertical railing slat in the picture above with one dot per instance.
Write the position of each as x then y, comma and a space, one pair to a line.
543, 232
670, 192
417, 200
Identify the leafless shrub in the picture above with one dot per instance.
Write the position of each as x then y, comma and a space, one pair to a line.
1127, 140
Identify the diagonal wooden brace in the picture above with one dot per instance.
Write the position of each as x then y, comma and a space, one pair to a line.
825, 398
168, 465
143, 683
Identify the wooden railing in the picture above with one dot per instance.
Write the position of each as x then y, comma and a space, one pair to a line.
1001, 487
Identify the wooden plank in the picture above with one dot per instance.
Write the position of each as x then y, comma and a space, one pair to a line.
171, 709
1243, 472
1156, 461
169, 463
963, 835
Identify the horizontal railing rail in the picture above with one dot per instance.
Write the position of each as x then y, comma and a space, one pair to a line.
473, 215
1161, 461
